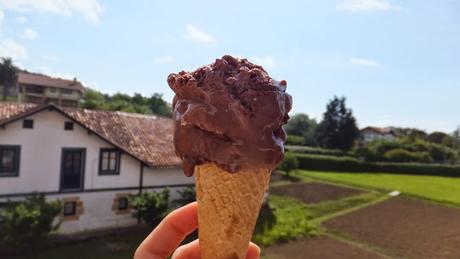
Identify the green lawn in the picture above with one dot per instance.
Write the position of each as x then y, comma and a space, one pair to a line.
285, 218
436, 188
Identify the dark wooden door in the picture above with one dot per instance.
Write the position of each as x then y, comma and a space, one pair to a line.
72, 169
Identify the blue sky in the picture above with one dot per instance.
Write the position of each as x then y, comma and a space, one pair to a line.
397, 62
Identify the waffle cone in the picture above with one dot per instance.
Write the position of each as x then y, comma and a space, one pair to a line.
228, 206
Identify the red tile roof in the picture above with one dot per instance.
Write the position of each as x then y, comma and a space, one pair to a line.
148, 138
36, 79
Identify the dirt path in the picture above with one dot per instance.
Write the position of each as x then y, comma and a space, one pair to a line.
313, 192
317, 247
405, 227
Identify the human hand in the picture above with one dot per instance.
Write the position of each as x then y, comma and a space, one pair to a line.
168, 235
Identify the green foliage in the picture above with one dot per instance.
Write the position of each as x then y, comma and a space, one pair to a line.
407, 149
289, 163
27, 223
319, 151
437, 137
8, 77
93, 99
187, 195
301, 125
402, 155
151, 207
412, 133
350, 164
295, 140
284, 219
338, 128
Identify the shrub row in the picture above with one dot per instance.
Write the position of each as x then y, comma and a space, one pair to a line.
350, 164
318, 151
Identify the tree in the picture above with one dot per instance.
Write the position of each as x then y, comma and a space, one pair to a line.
151, 207
8, 76
27, 223
338, 128
290, 163
437, 137
301, 125
93, 99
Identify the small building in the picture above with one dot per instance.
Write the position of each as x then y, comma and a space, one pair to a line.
369, 134
42, 89
89, 160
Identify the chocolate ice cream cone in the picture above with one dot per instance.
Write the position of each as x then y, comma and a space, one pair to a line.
228, 207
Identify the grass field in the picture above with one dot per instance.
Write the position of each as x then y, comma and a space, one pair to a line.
435, 188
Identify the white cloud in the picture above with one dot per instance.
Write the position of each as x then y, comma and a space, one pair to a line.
163, 60
364, 62
2, 16
366, 5
197, 35
91, 10
265, 61
20, 19
30, 34
12, 49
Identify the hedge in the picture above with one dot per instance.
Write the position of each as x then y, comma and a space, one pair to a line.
318, 151
350, 164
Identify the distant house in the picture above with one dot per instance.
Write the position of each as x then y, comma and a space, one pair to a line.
41, 89
90, 160
369, 134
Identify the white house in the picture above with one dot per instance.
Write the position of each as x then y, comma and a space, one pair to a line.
369, 134
90, 160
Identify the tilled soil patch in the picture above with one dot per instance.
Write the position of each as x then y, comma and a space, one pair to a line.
314, 192
404, 227
318, 247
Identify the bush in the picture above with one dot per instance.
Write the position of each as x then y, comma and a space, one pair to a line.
187, 195
295, 140
402, 155
349, 164
27, 223
318, 151
151, 207
289, 163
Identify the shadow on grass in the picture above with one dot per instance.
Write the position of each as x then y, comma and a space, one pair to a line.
266, 220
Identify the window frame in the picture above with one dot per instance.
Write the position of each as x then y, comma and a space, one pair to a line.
16, 162
116, 171
66, 123
123, 208
74, 205
24, 126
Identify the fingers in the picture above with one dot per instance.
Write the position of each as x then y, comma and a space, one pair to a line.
169, 233
192, 251
253, 251
188, 251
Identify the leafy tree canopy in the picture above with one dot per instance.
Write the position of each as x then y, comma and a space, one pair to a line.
338, 128
93, 99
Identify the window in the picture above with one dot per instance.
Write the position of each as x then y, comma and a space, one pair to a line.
67, 91
122, 203
28, 124
9, 160
68, 125
70, 208
109, 161
52, 90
